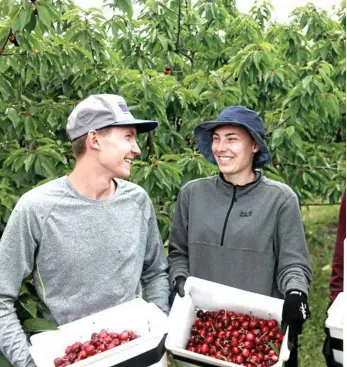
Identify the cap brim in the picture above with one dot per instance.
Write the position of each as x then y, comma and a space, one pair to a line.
142, 126
203, 135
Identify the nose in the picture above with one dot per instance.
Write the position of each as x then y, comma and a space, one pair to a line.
135, 149
220, 147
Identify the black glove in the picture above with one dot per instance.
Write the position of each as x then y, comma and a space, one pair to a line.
178, 287
294, 313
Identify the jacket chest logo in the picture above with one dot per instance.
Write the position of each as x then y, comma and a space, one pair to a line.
246, 213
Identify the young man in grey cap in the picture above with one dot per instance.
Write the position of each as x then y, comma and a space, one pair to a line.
90, 238
240, 228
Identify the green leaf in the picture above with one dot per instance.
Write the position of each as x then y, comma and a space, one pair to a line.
273, 347
29, 305
84, 52
28, 75
126, 6
306, 81
28, 162
44, 16
25, 16
163, 41
38, 324
23, 289
5, 201
31, 24
48, 169
257, 58
13, 116
29, 126
48, 152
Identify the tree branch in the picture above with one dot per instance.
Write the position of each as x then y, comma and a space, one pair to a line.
278, 125
178, 25
308, 168
165, 7
2, 48
209, 24
90, 43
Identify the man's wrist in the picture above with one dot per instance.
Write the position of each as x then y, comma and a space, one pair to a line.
297, 292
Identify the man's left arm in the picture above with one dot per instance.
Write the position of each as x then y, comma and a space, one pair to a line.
154, 279
293, 269
293, 266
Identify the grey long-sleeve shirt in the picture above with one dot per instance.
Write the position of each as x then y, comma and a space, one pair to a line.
90, 255
249, 237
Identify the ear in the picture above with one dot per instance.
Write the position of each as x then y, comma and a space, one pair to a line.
255, 147
92, 140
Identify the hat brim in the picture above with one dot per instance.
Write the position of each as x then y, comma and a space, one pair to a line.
142, 126
204, 136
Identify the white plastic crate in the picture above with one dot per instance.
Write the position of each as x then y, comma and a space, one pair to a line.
335, 322
211, 296
144, 318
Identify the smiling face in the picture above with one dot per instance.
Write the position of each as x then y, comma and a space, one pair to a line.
234, 148
117, 150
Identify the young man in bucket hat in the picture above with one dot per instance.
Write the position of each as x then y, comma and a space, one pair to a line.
90, 238
240, 228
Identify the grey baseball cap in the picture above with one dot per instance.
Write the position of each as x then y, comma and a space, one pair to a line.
102, 110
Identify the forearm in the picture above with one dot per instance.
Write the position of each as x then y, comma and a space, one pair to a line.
178, 241
293, 268
156, 290
295, 277
178, 261
13, 341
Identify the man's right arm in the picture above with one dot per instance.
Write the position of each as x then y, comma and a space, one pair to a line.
17, 249
178, 241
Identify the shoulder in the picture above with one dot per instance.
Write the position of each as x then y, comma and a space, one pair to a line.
199, 184
278, 188
41, 199
134, 192
44, 194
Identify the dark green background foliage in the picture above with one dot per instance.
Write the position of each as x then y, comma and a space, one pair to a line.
53, 54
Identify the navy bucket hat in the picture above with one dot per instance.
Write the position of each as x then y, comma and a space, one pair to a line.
237, 116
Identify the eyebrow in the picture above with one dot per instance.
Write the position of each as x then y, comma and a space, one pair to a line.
229, 134
130, 131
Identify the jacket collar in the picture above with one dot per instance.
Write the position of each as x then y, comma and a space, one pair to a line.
241, 190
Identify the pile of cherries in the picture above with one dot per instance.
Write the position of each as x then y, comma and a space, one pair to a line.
236, 337
98, 343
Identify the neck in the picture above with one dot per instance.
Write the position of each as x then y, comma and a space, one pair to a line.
90, 182
239, 180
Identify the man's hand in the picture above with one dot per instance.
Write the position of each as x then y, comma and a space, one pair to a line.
294, 313
178, 287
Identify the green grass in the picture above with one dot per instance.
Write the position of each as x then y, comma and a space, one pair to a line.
320, 227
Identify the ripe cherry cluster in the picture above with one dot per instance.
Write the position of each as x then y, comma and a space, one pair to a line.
236, 337
98, 343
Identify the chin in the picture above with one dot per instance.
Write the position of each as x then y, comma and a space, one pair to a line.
123, 174
226, 170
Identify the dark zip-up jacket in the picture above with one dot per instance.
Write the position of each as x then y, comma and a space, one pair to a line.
249, 237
